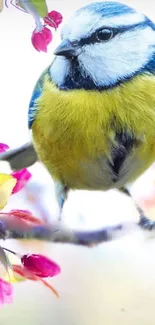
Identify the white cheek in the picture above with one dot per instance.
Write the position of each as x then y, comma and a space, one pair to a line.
91, 60
119, 58
59, 70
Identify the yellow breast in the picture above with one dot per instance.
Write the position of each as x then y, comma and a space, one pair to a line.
73, 127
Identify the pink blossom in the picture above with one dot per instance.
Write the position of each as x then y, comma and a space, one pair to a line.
22, 176
3, 147
6, 292
25, 273
40, 265
25, 215
42, 39
53, 19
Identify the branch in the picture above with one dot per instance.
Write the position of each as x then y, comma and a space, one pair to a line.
57, 233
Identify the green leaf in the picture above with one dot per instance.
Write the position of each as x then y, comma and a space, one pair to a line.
39, 5
5, 260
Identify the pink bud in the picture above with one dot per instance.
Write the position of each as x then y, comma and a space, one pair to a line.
53, 19
42, 39
3, 147
40, 265
25, 273
22, 176
6, 292
47, 35
25, 215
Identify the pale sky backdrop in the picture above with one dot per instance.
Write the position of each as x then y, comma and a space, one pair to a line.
112, 283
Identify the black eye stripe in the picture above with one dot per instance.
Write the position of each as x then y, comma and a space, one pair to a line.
122, 29
93, 39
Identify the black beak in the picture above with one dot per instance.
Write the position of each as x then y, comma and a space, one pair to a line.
67, 49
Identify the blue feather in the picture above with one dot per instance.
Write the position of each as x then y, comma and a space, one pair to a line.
32, 106
37, 92
108, 9
150, 66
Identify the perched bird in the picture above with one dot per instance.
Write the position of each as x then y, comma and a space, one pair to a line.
92, 112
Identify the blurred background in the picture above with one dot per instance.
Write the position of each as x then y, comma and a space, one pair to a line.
113, 282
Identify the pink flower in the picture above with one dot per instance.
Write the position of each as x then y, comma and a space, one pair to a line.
6, 292
42, 39
25, 215
40, 265
3, 147
53, 19
25, 273
22, 177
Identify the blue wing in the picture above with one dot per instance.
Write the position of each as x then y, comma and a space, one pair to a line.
36, 94
32, 106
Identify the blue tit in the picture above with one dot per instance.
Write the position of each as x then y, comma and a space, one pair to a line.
92, 112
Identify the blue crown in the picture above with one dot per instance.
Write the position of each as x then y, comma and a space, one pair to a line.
108, 9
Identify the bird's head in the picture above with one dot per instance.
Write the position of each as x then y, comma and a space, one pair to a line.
103, 44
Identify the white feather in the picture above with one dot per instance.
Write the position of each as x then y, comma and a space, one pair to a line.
107, 62
59, 70
84, 24
118, 58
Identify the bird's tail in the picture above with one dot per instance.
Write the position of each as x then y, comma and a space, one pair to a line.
21, 157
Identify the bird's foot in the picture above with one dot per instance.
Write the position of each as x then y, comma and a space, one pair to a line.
146, 223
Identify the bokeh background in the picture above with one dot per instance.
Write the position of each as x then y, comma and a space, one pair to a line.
108, 284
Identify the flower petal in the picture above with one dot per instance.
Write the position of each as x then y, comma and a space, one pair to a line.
7, 183
3, 147
41, 39
6, 292
13, 277
23, 272
40, 265
47, 35
27, 216
22, 177
53, 19
38, 42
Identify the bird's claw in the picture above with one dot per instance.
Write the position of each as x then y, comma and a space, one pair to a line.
146, 223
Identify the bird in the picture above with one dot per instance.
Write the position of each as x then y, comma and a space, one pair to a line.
92, 110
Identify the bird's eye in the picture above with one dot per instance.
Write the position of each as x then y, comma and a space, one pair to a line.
104, 34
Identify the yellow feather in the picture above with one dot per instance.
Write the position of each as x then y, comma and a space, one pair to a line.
74, 127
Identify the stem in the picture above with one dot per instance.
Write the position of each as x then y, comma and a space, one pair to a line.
32, 11
17, 7
9, 250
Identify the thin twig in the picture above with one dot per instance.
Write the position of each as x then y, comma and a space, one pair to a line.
60, 234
